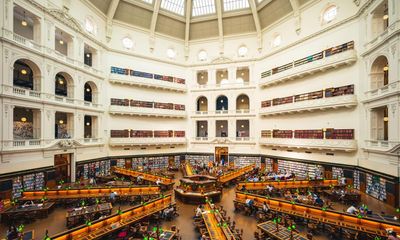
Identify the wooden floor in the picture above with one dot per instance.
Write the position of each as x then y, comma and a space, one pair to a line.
56, 221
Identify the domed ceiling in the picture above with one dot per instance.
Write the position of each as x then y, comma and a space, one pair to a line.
198, 19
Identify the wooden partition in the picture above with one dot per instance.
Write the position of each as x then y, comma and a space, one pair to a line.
289, 184
339, 219
103, 227
235, 174
90, 193
146, 176
212, 219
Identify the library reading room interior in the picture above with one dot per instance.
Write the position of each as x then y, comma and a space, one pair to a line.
200, 119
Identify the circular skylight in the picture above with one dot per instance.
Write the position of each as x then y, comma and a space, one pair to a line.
127, 43
242, 51
202, 56
330, 14
171, 53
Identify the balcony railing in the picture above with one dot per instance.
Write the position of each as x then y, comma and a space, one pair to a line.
381, 145
330, 58
27, 144
147, 141
140, 111
30, 44
33, 95
319, 144
227, 86
227, 113
385, 91
227, 140
310, 105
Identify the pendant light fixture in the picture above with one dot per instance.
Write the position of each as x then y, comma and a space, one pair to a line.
61, 41
24, 22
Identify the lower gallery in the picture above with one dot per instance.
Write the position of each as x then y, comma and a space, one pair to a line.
200, 119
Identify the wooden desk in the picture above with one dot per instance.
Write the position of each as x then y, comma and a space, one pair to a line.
90, 193
235, 174
289, 184
211, 221
28, 235
342, 220
35, 210
283, 233
106, 226
350, 197
145, 176
77, 216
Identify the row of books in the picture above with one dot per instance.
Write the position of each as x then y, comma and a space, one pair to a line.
146, 104
329, 92
99, 168
130, 72
329, 133
311, 58
301, 170
33, 181
145, 133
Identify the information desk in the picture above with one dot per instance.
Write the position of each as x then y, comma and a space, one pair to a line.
145, 176
77, 216
105, 226
368, 225
188, 169
34, 210
212, 219
235, 174
282, 234
289, 184
90, 193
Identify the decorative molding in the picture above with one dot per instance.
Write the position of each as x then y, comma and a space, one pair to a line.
356, 2
222, 59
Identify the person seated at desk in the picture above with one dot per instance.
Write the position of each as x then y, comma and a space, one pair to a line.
250, 204
265, 207
158, 181
28, 204
12, 233
352, 210
113, 195
393, 236
319, 202
288, 195
243, 189
199, 211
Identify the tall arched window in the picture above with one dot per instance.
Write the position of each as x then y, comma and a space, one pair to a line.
379, 72
26, 75
90, 92
221, 103
63, 85
242, 102
202, 104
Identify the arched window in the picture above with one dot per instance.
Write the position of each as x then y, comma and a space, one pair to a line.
90, 92
202, 104
329, 14
63, 85
26, 75
242, 102
222, 103
379, 73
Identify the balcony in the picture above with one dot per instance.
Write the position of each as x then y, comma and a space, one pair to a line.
383, 92
346, 145
311, 105
380, 145
36, 96
149, 112
147, 141
219, 87
319, 62
382, 37
35, 144
32, 45
223, 140
224, 113
147, 82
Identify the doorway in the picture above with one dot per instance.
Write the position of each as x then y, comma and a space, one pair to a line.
62, 165
221, 156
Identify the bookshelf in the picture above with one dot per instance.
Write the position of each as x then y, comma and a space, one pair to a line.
130, 72
146, 104
119, 102
282, 133
163, 134
376, 187
339, 91
283, 100
266, 134
310, 58
179, 133
301, 170
154, 163
242, 161
141, 104
17, 187
309, 134
266, 103
339, 133
337, 173
141, 133
198, 159
121, 163
309, 96
356, 182
119, 133
179, 107
98, 168
169, 106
